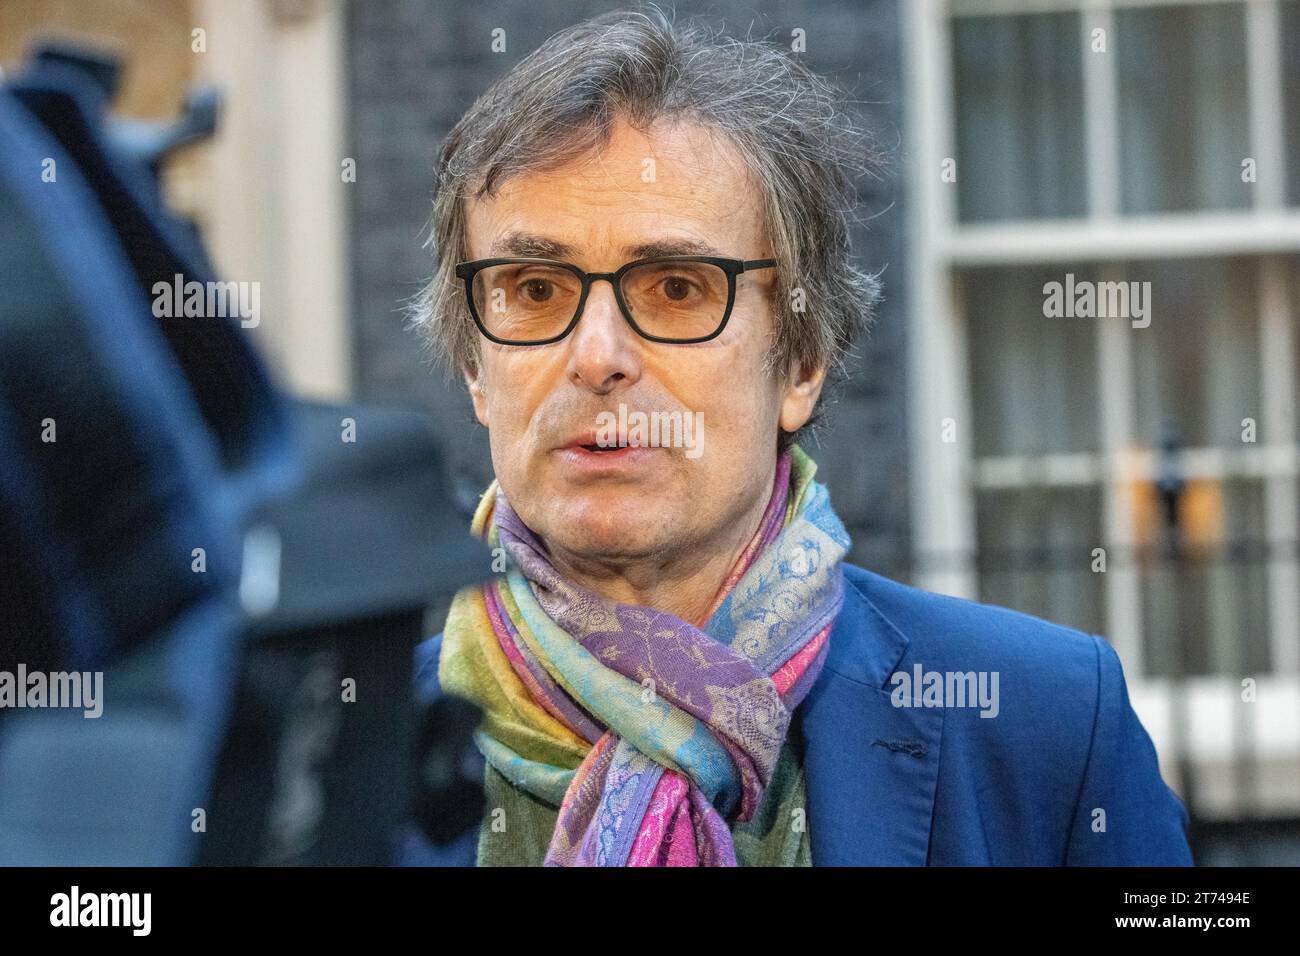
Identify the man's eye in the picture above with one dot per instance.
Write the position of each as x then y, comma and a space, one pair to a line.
537, 290
677, 288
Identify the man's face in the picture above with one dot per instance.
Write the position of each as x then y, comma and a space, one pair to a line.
542, 404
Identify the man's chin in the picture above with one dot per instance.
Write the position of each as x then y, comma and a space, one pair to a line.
619, 523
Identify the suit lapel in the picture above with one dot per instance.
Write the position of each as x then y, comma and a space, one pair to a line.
871, 768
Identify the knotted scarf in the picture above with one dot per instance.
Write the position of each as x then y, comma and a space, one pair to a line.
649, 733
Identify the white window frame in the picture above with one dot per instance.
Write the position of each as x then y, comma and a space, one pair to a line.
945, 475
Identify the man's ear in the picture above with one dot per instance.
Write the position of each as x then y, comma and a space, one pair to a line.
477, 393
803, 386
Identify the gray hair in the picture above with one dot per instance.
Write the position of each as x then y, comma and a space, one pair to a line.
786, 122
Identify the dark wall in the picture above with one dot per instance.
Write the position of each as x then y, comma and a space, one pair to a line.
415, 65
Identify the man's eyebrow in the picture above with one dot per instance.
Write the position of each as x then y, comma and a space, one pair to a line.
527, 244
672, 247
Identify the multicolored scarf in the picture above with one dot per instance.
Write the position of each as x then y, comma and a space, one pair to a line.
647, 732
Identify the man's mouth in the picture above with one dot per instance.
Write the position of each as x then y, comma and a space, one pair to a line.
584, 455
593, 447
595, 443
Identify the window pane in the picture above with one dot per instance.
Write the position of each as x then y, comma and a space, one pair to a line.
1197, 364
1184, 113
1019, 105
1035, 554
1033, 378
1208, 610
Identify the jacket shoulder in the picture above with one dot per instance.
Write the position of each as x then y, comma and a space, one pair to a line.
955, 631
1043, 682
1068, 741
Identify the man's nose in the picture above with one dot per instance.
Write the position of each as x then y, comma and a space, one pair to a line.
604, 351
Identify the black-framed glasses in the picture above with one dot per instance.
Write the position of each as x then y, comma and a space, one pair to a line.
675, 299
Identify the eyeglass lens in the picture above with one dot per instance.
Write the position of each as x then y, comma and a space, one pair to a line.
527, 302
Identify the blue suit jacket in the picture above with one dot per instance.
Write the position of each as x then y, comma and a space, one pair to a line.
1064, 774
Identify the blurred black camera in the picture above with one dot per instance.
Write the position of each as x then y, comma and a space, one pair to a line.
248, 575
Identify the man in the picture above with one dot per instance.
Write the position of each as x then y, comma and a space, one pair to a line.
644, 276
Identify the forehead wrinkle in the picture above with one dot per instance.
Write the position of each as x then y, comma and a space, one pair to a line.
692, 196
678, 143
